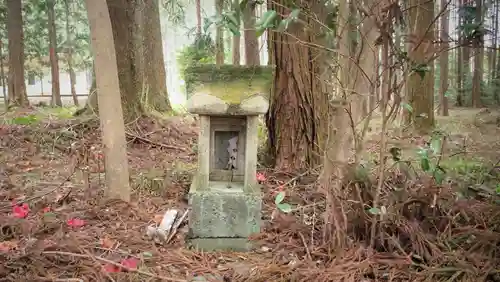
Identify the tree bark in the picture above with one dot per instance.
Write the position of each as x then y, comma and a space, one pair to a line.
252, 57
478, 61
16, 84
420, 85
54, 61
2, 74
131, 59
69, 54
219, 35
443, 60
236, 44
459, 61
297, 120
151, 71
198, 16
111, 115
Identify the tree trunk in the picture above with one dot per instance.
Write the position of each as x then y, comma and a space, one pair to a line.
219, 35
198, 16
16, 84
111, 115
54, 61
236, 44
420, 85
2, 74
298, 115
494, 73
443, 60
478, 61
251, 41
151, 69
69, 55
132, 59
236, 50
460, 69
465, 60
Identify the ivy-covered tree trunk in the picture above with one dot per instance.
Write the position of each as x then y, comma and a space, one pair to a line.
420, 85
298, 115
54, 60
16, 84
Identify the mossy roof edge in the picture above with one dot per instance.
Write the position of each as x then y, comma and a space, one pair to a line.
215, 73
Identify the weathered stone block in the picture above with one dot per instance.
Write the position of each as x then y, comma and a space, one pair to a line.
221, 244
221, 212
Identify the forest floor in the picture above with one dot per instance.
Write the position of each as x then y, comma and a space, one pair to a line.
54, 225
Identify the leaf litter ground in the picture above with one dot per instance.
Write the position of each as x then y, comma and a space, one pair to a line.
54, 225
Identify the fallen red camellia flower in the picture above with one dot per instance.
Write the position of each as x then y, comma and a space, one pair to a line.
75, 222
261, 177
129, 263
20, 211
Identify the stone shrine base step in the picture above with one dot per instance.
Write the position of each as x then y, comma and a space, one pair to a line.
221, 244
223, 218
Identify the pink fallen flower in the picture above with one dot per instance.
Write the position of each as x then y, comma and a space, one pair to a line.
20, 211
75, 222
261, 177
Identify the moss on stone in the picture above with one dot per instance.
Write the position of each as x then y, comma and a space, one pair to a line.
228, 82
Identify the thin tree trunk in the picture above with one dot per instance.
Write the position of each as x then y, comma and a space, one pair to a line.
2, 74
219, 35
478, 62
198, 16
16, 83
251, 41
69, 58
111, 115
443, 60
54, 61
459, 62
236, 50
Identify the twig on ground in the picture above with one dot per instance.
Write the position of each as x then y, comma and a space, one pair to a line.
43, 194
115, 264
305, 246
155, 143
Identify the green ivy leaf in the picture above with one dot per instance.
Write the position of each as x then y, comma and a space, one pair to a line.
267, 19
374, 211
286, 208
407, 106
436, 145
425, 164
439, 176
279, 198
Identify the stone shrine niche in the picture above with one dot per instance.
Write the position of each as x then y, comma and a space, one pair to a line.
227, 149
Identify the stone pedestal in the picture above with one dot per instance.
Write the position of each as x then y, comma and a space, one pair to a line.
226, 203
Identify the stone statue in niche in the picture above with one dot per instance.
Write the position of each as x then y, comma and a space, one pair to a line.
232, 149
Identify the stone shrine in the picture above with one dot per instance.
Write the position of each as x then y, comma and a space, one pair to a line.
224, 197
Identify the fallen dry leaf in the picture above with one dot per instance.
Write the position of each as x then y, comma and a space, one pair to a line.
7, 246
